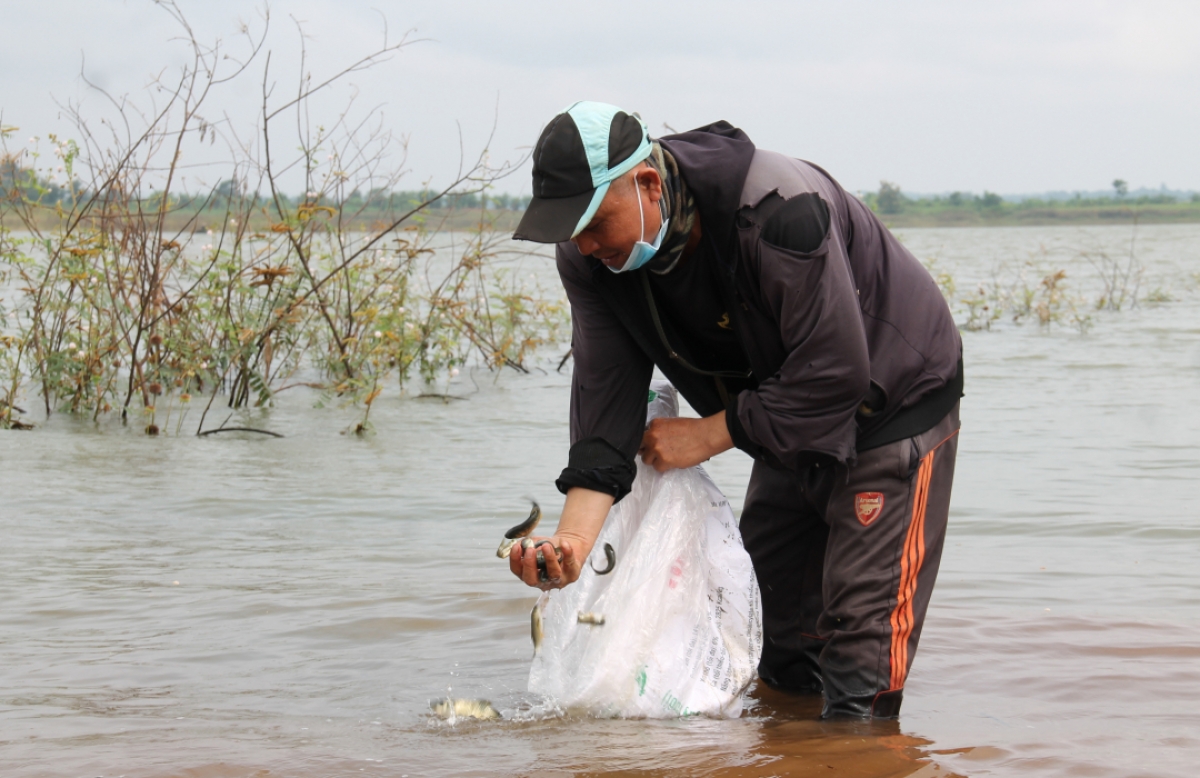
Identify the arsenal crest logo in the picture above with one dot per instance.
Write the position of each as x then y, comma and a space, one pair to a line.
868, 506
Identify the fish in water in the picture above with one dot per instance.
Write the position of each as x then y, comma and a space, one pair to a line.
591, 618
451, 709
521, 530
611, 555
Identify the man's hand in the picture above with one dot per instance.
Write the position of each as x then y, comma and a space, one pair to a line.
680, 443
582, 518
523, 563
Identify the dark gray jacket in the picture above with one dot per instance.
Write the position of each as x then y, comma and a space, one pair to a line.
842, 327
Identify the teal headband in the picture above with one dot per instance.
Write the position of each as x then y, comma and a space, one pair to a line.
594, 121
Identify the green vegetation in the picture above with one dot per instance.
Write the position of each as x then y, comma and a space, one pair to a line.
120, 292
963, 209
1038, 290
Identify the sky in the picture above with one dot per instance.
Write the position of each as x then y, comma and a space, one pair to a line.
1015, 97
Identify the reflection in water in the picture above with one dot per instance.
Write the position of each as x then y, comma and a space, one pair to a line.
794, 742
237, 606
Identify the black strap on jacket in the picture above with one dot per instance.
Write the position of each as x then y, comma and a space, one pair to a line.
920, 417
671, 352
722, 391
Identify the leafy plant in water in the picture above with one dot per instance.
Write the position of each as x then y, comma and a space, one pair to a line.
1030, 293
125, 293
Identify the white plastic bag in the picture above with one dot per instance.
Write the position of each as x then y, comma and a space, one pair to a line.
682, 630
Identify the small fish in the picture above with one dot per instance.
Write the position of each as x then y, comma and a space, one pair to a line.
541, 558
527, 526
611, 555
591, 618
535, 623
450, 709
521, 530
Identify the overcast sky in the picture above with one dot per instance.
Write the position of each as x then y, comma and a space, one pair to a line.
1019, 96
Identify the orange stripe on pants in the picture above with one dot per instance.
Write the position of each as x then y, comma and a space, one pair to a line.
910, 566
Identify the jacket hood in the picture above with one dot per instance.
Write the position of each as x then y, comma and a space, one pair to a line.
713, 161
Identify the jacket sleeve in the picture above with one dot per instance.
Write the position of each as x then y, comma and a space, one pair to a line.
609, 383
805, 412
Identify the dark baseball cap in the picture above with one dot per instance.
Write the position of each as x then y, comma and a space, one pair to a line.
582, 150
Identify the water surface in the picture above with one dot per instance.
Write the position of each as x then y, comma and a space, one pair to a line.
238, 605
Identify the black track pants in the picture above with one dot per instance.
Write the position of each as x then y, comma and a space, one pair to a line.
846, 560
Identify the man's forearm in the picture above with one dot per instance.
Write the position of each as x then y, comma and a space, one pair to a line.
583, 517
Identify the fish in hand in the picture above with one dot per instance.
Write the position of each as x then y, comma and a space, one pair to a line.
520, 531
541, 557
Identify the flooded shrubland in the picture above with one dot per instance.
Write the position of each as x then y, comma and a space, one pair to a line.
157, 334
222, 605
132, 284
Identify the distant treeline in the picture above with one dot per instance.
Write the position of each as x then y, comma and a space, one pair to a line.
890, 202
395, 201
18, 181
966, 208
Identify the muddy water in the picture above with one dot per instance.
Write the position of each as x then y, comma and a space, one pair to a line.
238, 605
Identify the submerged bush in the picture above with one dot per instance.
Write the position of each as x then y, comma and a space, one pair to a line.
117, 296
1041, 290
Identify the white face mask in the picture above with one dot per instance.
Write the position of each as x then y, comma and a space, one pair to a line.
642, 251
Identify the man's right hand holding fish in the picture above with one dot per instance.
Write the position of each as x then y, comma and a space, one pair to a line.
582, 518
